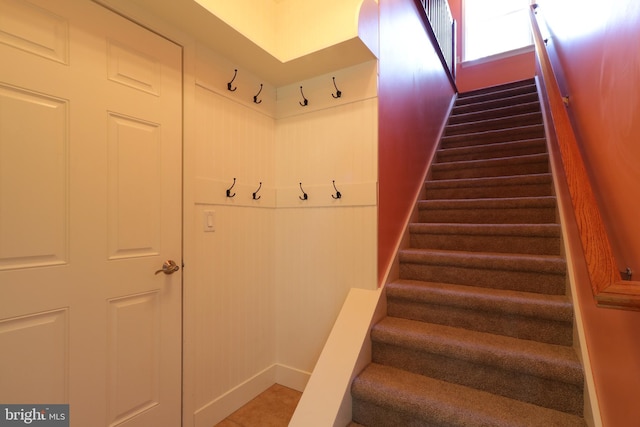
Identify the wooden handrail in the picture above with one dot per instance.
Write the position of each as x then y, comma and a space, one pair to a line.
607, 285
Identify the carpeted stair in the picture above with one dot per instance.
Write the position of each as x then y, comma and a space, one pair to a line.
479, 329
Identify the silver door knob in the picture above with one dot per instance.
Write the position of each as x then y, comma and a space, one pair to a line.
168, 267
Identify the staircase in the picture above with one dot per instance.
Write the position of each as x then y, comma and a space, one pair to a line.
479, 329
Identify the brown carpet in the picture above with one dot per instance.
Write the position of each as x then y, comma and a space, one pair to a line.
479, 329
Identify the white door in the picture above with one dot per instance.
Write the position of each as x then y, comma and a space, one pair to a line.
90, 208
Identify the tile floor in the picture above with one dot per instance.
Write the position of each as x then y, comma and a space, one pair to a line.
272, 408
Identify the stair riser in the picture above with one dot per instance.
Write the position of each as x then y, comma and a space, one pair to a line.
496, 191
528, 328
493, 104
483, 97
527, 281
515, 385
504, 92
530, 83
510, 135
506, 168
487, 243
494, 124
372, 415
545, 215
444, 156
531, 107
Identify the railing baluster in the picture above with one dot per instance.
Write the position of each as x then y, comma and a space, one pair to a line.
442, 24
443, 29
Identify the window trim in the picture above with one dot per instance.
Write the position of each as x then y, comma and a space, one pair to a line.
498, 56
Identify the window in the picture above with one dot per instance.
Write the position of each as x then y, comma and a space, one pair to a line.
495, 26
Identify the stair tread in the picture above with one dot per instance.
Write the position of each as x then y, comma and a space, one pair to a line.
467, 164
551, 264
442, 403
506, 121
508, 130
555, 362
489, 181
554, 307
495, 103
515, 313
541, 238
510, 134
502, 111
498, 146
489, 202
526, 230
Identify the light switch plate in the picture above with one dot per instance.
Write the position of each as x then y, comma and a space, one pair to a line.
209, 221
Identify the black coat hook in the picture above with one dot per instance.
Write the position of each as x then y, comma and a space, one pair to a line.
235, 73
305, 101
338, 94
338, 195
304, 196
255, 97
229, 189
255, 193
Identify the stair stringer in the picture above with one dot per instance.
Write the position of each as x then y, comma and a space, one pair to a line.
572, 250
392, 271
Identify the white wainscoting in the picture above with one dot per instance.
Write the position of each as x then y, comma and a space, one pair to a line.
322, 254
267, 283
233, 293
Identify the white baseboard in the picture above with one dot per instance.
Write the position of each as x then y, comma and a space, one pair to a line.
226, 404
292, 377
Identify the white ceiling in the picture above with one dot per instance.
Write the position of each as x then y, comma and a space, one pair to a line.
191, 18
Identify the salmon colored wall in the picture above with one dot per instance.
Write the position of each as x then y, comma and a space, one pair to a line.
599, 50
596, 54
414, 97
474, 75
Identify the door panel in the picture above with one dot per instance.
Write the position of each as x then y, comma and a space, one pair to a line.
134, 197
40, 163
134, 355
50, 367
90, 208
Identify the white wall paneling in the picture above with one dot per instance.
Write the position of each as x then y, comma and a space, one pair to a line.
324, 246
322, 253
214, 72
358, 194
231, 293
355, 83
266, 286
234, 291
